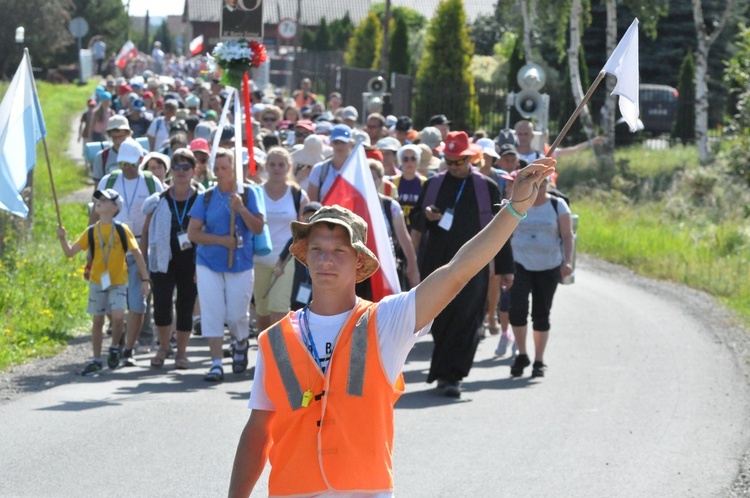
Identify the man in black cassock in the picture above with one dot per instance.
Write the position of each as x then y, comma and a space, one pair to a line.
447, 215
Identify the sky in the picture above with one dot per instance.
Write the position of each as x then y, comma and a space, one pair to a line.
158, 8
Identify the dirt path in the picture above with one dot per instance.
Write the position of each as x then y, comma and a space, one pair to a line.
75, 152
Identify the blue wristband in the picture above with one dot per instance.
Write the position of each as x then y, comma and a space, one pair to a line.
513, 211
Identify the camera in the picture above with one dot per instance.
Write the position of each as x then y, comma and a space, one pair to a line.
376, 85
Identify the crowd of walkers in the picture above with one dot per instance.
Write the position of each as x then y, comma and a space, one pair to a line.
173, 240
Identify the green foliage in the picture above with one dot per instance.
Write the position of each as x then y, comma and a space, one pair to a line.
684, 123
445, 83
46, 36
341, 30
414, 20
365, 41
43, 295
107, 18
399, 55
163, 35
323, 37
516, 62
486, 32
567, 102
308, 39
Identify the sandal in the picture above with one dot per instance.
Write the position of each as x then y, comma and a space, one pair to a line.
215, 374
181, 363
161, 354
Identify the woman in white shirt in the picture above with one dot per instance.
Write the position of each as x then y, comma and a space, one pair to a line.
284, 201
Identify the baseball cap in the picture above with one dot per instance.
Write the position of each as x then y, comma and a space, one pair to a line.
457, 144
439, 119
488, 147
388, 143
350, 112
323, 128
211, 114
341, 133
431, 137
311, 206
305, 124
130, 152
109, 194
337, 215
506, 149
139, 105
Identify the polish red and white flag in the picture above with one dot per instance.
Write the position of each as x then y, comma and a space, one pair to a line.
127, 52
355, 190
196, 45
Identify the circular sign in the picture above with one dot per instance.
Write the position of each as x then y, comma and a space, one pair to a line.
287, 29
78, 27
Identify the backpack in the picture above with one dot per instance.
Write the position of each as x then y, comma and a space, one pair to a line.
120, 232
296, 196
147, 175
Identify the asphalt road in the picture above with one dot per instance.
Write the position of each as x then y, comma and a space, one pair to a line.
643, 397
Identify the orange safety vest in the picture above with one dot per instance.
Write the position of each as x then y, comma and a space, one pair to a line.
343, 440
301, 101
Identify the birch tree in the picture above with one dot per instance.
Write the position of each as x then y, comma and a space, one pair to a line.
705, 41
575, 20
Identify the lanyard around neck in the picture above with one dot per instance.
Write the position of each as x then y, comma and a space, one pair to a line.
308, 338
128, 205
106, 250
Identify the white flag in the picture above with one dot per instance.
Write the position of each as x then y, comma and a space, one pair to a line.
623, 63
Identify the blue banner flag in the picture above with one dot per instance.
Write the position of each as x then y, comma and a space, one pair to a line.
21, 128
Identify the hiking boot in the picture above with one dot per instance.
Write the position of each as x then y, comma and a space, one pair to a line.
127, 358
91, 368
538, 369
452, 389
521, 362
239, 359
113, 360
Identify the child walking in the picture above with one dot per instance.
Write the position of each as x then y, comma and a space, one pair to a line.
108, 242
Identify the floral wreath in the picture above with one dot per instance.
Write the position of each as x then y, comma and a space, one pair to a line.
236, 57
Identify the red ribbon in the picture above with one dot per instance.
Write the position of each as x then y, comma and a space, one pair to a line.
248, 124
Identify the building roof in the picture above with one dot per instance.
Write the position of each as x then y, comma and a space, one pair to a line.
313, 11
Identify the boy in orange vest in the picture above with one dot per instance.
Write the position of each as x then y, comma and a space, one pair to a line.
108, 281
327, 376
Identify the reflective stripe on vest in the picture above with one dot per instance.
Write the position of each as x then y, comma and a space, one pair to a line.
358, 357
281, 354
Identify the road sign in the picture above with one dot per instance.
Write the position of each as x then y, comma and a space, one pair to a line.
78, 27
287, 29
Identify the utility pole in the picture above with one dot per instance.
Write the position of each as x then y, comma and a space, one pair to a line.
384, 46
127, 11
297, 43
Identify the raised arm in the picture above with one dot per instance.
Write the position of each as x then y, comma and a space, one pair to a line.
441, 286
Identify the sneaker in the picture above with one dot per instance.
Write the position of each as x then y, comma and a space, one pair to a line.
239, 359
91, 368
127, 358
521, 362
538, 369
502, 346
197, 327
452, 389
113, 360
215, 374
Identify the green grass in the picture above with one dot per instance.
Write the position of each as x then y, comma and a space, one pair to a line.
42, 294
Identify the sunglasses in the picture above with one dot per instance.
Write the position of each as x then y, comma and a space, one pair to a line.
459, 162
124, 163
182, 166
270, 119
407, 159
302, 134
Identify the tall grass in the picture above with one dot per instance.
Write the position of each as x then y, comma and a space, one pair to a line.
42, 294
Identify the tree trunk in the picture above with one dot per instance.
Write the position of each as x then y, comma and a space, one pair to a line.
384, 46
608, 111
526, 30
575, 75
701, 73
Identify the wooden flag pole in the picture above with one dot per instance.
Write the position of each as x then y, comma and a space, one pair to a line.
44, 141
575, 114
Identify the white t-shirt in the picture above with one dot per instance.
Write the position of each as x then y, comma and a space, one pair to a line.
133, 193
159, 129
279, 214
396, 319
327, 182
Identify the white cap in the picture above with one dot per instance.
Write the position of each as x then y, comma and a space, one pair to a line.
488, 147
130, 152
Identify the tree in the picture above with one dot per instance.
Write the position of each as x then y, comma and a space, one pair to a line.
363, 44
516, 62
684, 123
323, 37
486, 31
162, 35
568, 104
444, 80
46, 36
308, 40
399, 56
107, 18
576, 15
705, 40
144, 44
341, 31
